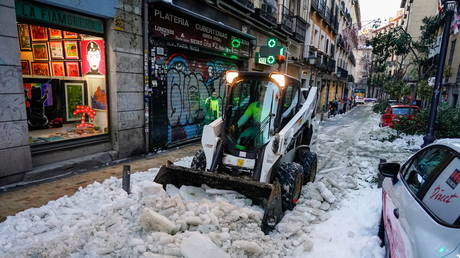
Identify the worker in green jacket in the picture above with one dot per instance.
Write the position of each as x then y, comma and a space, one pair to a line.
212, 108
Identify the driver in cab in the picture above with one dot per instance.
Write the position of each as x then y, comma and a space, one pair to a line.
257, 115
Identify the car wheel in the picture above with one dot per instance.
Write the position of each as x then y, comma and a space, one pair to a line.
199, 161
290, 177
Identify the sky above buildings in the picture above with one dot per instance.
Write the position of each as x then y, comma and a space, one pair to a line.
383, 9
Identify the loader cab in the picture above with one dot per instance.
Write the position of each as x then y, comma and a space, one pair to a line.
258, 106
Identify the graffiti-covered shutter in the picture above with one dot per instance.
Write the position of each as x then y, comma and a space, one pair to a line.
190, 80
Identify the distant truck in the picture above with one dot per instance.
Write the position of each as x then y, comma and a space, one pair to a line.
359, 100
359, 95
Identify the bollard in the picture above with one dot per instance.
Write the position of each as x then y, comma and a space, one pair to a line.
126, 179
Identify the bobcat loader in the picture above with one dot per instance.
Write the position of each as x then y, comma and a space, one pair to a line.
260, 147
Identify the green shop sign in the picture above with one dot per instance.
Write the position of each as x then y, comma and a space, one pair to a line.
41, 13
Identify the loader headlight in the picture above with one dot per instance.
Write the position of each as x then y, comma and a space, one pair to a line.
280, 79
230, 76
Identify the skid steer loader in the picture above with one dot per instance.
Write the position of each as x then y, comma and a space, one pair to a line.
260, 147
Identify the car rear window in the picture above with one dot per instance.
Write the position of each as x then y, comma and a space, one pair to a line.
404, 111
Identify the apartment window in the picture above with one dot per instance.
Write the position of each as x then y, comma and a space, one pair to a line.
321, 43
315, 38
452, 51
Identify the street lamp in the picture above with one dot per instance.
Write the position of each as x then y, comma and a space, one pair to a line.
449, 7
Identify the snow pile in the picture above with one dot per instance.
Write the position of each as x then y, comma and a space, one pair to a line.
102, 220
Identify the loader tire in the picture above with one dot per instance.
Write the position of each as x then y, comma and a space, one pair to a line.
290, 177
309, 162
199, 161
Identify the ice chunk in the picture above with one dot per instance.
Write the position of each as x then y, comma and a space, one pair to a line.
313, 203
153, 255
192, 193
200, 246
193, 220
172, 190
151, 220
325, 206
248, 246
325, 193
312, 193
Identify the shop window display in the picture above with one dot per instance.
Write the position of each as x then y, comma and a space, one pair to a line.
64, 76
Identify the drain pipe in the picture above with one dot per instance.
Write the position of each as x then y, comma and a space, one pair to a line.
147, 89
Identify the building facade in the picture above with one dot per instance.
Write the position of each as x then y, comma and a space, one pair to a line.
61, 61
87, 83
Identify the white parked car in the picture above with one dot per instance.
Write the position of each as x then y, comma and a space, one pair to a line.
421, 203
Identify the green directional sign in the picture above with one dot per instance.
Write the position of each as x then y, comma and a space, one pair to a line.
269, 52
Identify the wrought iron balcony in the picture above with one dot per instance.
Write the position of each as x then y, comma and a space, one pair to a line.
342, 73
340, 42
352, 58
245, 5
300, 29
331, 65
315, 5
327, 15
322, 9
267, 13
287, 20
351, 78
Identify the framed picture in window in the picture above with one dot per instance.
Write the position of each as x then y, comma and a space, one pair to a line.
40, 69
73, 69
57, 68
38, 33
74, 96
71, 49
55, 33
24, 37
25, 67
40, 51
70, 35
56, 50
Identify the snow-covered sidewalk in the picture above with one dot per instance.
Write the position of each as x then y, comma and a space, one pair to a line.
336, 216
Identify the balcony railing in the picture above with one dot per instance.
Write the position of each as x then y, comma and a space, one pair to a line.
287, 19
351, 78
326, 14
267, 13
300, 29
331, 65
342, 73
352, 58
246, 5
315, 5
340, 42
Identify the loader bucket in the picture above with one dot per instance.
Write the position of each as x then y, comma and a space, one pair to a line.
266, 195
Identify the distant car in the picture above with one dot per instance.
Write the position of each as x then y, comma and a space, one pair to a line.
421, 203
395, 112
359, 100
370, 100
